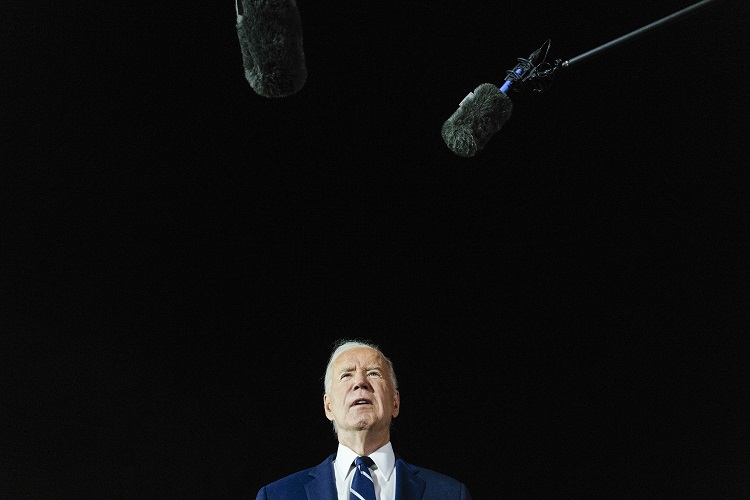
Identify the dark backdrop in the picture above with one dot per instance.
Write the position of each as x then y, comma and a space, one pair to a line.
566, 311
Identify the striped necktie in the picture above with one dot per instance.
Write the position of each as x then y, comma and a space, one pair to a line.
362, 487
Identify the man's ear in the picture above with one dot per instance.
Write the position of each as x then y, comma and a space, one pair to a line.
396, 404
327, 407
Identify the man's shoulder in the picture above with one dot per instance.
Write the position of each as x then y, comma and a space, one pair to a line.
436, 484
426, 473
296, 481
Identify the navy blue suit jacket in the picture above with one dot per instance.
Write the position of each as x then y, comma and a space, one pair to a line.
319, 483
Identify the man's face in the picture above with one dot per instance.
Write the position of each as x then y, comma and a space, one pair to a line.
362, 395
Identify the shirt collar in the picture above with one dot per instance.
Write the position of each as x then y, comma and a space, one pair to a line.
383, 457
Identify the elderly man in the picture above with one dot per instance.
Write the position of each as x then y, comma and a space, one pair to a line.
361, 399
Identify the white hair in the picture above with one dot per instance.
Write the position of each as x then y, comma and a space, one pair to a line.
345, 345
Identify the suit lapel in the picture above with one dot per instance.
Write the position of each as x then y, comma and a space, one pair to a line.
409, 486
323, 484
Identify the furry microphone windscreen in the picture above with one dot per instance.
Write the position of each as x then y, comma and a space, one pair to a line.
270, 34
476, 120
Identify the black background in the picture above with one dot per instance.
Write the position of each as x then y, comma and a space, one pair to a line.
566, 311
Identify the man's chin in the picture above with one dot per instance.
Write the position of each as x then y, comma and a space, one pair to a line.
362, 422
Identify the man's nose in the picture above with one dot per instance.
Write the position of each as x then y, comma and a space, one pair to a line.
360, 380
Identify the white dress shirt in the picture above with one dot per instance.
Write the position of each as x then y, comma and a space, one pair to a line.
383, 472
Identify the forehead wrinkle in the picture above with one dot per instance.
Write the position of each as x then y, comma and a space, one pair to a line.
349, 365
352, 367
345, 368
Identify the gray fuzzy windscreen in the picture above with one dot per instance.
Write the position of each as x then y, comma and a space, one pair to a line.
477, 119
270, 34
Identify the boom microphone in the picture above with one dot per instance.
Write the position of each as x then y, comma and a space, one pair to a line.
483, 112
477, 118
270, 35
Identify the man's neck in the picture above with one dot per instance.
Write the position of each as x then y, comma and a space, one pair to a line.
363, 442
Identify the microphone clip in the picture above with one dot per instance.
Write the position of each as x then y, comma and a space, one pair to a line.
535, 70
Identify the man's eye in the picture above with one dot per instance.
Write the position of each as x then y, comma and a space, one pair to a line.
344, 376
374, 374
